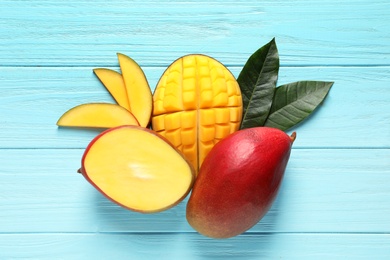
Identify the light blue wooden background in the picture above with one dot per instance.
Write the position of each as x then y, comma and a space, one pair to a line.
335, 199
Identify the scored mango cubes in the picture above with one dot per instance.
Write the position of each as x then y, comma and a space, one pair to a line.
197, 102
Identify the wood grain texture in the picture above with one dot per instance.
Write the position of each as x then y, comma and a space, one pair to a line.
79, 33
324, 190
191, 246
335, 199
35, 98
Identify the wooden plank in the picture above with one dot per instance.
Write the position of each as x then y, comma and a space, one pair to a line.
193, 246
324, 190
32, 100
78, 33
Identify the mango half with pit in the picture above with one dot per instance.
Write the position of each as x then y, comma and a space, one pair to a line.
197, 102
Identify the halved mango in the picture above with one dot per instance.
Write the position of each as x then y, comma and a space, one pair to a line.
197, 102
138, 169
98, 115
114, 83
137, 88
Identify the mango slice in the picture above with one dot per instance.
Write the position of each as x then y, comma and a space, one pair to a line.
197, 102
114, 83
97, 115
137, 169
137, 88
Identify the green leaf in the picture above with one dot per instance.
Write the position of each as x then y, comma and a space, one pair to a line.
295, 101
257, 81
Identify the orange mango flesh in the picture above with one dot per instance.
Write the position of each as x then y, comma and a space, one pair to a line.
197, 103
137, 89
98, 115
137, 169
114, 83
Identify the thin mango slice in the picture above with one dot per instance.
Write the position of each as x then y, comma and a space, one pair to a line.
197, 103
97, 115
137, 88
114, 83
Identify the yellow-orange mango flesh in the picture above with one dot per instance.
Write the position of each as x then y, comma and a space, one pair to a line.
114, 83
138, 169
197, 102
98, 115
137, 89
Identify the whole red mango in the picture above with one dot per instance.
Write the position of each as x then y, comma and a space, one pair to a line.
238, 181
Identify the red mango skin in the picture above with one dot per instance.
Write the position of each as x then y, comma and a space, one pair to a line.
238, 181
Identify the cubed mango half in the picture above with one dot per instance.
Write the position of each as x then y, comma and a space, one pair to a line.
197, 102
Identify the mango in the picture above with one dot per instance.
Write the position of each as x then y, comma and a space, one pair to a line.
238, 181
97, 115
137, 169
137, 88
115, 85
197, 102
